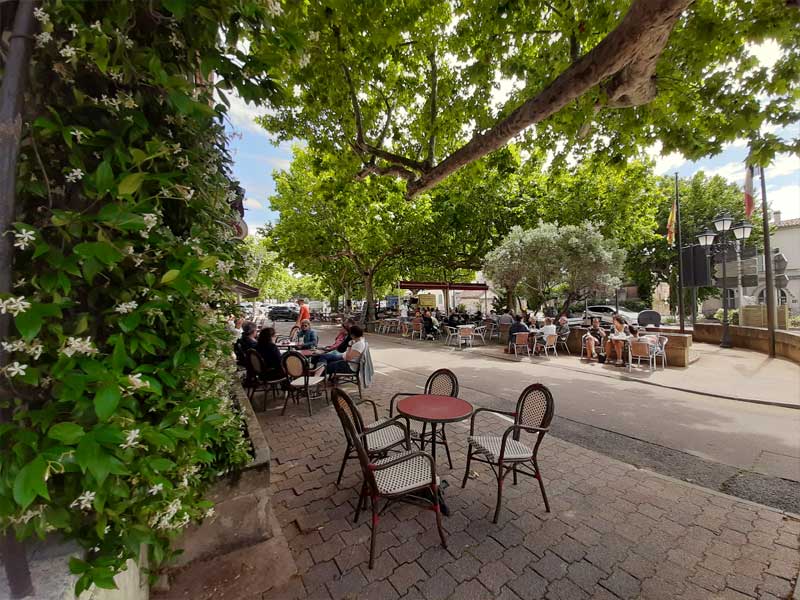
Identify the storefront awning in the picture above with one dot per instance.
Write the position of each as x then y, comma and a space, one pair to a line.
244, 290
442, 285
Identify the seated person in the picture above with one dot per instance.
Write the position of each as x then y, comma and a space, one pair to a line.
616, 339
452, 320
307, 338
248, 339
270, 353
563, 328
350, 360
541, 334
594, 338
341, 336
505, 318
428, 326
336, 350
516, 327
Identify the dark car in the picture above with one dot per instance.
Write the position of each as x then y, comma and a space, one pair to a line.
283, 313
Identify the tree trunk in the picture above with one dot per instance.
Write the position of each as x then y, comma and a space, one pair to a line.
570, 297
629, 53
369, 294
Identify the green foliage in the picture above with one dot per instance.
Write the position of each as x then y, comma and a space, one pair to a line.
733, 316
119, 379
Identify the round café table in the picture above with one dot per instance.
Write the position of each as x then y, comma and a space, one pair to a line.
429, 408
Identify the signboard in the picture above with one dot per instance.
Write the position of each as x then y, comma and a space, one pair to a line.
392, 301
427, 300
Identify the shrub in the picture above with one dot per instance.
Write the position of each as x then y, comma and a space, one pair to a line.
733, 316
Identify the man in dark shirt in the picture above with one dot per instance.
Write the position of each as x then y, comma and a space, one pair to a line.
248, 339
516, 327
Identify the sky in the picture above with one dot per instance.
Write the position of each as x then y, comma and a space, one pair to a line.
256, 157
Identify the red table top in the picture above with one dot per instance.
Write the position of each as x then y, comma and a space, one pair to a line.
427, 407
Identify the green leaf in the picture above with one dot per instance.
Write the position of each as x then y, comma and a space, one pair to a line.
130, 322
159, 464
138, 156
106, 400
30, 322
30, 482
130, 184
78, 566
170, 276
105, 252
68, 433
119, 357
104, 177
176, 7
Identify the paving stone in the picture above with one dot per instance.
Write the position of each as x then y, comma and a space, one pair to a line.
622, 584
464, 568
348, 587
518, 558
509, 536
639, 567
507, 594
407, 551
327, 550
495, 575
433, 558
383, 567
585, 575
709, 580
551, 567
438, 586
487, 551
775, 586
471, 590
379, 590
319, 575
564, 589
406, 575
743, 584
569, 549
529, 585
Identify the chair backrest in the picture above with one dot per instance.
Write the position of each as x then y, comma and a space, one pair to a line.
521, 338
294, 364
293, 333
551, 339
650, 317
640, 348
255, 363
466, 331
535, 408
353, 427
417, 325
442, 382
662, 343
239, 352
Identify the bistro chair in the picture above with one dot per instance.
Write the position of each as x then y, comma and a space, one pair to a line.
442, 382
452, 334
378, 438
521, 341
354, 378
302, 380
561, 342
660, 351
640, 349
408, 477
550, 344
480, 333
293, 333
465, 335
507, 453
492, 331
418, 329
256, 378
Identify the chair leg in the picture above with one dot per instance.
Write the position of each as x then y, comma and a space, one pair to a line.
500, 477
308, 400
446, 447
344, 462
541, 486
466, 471
438, 511
514, 468
422, 437
361, 497
375, 517
286, 402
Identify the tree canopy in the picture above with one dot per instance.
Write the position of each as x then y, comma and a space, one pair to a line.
431, 87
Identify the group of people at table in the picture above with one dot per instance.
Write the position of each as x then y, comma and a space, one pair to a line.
342, 356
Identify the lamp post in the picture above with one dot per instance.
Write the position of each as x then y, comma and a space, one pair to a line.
741, 231
723, 223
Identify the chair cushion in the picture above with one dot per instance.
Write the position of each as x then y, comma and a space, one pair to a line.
312, 381
490, 446
409, 475
385, 438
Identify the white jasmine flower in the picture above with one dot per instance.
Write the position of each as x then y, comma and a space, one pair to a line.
68, 52
22, 239
210, 513
74, 175
79, 346
43, 38
304, 60
84, 501
137, 262
117, 76
78, 135
314, 36
156, 489
183, 163
126, 307
14, 306
136, 381
14, 369
183, 420
150, 220
274, 8
131, 439
175, 41
73, 29
97, 26
41, 16
107, 529
35, 349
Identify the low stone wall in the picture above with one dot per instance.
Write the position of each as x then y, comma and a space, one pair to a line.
677, 348
787, 344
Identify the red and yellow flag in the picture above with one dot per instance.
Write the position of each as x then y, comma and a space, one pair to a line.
671, 224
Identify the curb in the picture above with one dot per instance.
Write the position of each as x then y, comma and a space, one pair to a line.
621, 377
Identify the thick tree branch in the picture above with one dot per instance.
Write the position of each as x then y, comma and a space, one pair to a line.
431, 156
636, 42
394, 170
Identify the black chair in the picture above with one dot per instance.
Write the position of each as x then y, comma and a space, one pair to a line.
259, 379
354, 377
506, 453
442, 382
409, 477
302, 380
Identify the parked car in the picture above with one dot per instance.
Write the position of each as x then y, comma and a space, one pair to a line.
606, 314
283, 312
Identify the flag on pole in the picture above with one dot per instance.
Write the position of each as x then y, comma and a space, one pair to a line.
671, 224
748, 191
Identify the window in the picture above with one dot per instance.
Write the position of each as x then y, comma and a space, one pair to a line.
781, 296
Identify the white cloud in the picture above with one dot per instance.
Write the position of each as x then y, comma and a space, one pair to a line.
785, 199
276, 162
664, 164
767, 52
784, 164
732, 171
243, 114
253, 204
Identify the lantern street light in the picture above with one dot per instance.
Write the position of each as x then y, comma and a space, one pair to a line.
723, 223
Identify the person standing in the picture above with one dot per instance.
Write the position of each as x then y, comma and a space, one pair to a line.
305, 314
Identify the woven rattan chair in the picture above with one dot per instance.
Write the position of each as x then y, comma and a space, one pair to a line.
378, 438
507, 453
293, 333
302, 380
354, 377
257, 380
405, 477
442, 382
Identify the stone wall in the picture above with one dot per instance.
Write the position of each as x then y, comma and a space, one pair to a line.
787, 343
677, 348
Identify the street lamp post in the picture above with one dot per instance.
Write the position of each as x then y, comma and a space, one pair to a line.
741, 231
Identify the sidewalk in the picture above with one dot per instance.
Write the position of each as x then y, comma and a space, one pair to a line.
615, 531
735, 373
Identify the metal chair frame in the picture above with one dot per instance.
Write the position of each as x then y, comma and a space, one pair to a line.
442, 382
296, 367
480, 332
523, 421
354, 378
550, 342
418, 328
661, 351
465, 335
636, 353
521, 339
452, 334
562, 341
369, 488
255, 370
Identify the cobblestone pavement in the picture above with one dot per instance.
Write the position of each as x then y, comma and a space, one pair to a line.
615, 531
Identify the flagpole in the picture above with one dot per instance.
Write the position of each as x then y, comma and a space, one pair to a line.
769, 288
680, 255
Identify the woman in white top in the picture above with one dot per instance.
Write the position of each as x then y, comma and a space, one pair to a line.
352, 356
